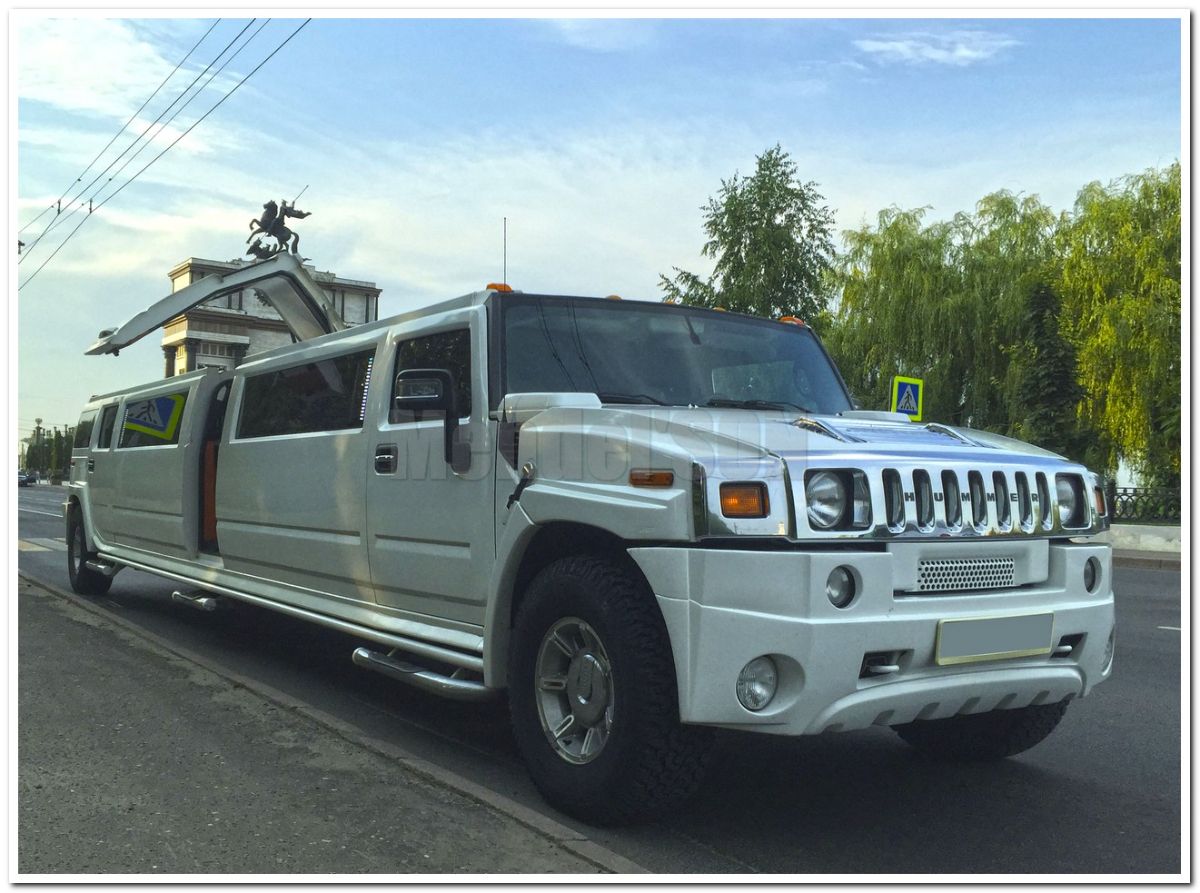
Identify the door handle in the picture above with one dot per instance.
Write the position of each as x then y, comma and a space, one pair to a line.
91, 465
385, 458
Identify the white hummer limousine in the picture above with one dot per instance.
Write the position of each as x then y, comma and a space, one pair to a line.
640, 520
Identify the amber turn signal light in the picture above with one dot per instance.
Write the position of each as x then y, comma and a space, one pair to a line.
645, 477
1099, 495
744, 501
498, 286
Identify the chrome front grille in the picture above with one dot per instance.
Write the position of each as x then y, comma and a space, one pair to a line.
965, 574
958, 497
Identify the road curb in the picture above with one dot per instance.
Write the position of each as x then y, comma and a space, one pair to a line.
1168, 563
567, 838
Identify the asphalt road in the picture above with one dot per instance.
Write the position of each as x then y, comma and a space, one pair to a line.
1101, 795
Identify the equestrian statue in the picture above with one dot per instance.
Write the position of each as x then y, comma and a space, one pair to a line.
272, 225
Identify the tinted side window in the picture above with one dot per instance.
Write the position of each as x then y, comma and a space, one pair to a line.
107, 420
328, 395
153, 421
445, 350
83, 431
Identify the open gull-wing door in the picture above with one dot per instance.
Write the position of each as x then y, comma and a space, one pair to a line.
283, 280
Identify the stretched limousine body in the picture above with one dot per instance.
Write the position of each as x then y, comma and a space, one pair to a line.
639, 520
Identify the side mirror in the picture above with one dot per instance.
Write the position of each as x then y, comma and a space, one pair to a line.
425, 390
432, 390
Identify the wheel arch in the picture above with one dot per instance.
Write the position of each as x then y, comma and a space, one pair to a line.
535, 547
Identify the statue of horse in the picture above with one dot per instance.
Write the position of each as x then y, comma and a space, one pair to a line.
271, 224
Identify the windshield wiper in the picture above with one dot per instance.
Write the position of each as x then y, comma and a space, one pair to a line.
606, 397
755, 404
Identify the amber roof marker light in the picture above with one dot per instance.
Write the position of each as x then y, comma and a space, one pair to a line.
498, 286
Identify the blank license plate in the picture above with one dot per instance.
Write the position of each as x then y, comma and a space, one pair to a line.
993, 638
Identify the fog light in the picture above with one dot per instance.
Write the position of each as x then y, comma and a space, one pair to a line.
840, 586
1091, 574
756, 683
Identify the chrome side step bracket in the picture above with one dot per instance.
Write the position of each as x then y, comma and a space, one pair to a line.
197, 598
453, 686
100, 566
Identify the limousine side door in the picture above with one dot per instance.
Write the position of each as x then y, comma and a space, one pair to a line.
291, 472
430, 528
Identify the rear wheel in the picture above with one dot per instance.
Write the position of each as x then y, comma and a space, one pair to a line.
84, 580
984, 736
593, 696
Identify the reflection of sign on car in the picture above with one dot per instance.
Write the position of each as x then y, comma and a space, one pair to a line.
156, 417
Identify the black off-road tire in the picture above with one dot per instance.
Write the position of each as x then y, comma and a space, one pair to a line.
984, 736
83, 580
650, 761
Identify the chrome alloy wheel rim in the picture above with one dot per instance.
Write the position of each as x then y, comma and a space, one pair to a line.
574, 690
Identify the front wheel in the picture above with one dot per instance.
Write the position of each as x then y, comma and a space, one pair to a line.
84, 580
593, 696
984, 736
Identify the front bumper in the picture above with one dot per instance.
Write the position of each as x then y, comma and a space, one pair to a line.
725, 607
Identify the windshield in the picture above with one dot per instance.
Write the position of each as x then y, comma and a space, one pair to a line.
629, 352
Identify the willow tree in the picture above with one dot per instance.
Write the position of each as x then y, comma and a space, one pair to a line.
771, 236
944, 301
1121, 296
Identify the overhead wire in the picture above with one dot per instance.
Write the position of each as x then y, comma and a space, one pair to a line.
179, 110
193, 126
59, 217
124, 126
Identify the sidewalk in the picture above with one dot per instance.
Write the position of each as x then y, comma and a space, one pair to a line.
132, 760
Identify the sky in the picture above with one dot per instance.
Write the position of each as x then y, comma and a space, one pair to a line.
598, 139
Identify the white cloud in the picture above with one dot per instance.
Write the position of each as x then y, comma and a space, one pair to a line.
97, 66
605, 35
956, 48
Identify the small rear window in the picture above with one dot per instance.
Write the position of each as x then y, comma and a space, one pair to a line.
83, 431
107, 420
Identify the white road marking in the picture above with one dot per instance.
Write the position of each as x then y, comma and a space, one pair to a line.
36, 512
1173, 628
46, 542
30, 547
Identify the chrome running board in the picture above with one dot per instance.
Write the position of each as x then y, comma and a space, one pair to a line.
416, 647
452, 687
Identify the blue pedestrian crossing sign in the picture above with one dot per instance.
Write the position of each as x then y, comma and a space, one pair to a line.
908, 396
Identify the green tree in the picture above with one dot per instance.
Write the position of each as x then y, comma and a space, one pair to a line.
771, 236
1044, 389
943, 301
1121, 295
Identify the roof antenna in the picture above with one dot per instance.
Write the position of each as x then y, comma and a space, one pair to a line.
504, 269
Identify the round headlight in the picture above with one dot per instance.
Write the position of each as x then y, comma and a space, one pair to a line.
757, 682
826, 499
1067, 500
840, 588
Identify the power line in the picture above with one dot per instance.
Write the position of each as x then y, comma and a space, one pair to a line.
123, 127
196, 123
59, 218
178, 111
